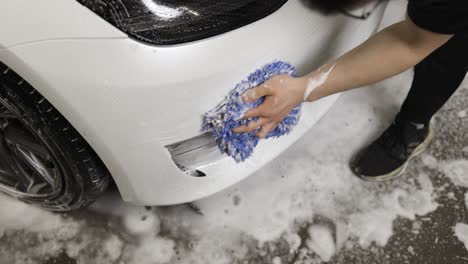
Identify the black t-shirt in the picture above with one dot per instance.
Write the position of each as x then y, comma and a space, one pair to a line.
440, 16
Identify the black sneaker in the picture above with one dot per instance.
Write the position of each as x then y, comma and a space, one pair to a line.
387, 157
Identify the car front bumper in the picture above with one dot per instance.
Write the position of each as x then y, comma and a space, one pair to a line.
131, 100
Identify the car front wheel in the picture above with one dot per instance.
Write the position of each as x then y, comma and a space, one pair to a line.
44, 161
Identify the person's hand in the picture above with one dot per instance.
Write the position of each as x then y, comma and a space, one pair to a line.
282, 93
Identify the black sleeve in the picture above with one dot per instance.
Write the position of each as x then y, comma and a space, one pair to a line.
440, 16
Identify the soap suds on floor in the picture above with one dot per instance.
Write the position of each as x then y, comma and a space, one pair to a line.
411, 250
276, 260
457, 171
466, 200
140, 221
461, 232
153, 250
19, 216
49, 228
375, 224
22, 224
462, 114
465, 150
294, 241
461, 229
321, 242
113, 247
430, 161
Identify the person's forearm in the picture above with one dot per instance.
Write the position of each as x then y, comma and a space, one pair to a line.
384, 55
394, 50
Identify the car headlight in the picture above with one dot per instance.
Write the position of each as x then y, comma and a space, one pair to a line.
165, 22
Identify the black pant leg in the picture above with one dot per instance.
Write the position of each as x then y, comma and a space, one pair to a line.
436, 78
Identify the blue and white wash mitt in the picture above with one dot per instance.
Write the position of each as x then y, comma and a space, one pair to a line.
228, 115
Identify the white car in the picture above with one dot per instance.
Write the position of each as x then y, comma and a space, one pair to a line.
97, 89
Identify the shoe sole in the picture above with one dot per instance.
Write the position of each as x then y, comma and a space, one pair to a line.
401, 170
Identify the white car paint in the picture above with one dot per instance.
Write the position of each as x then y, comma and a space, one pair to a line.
130, 99
26, 21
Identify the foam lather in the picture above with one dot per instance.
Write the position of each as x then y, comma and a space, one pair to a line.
228, 115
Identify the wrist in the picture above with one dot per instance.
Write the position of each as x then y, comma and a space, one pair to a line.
298, 85
315, 82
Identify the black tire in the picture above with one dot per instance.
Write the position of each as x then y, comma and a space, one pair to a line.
79, 176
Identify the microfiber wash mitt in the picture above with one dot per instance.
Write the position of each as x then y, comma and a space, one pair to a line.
228, 115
